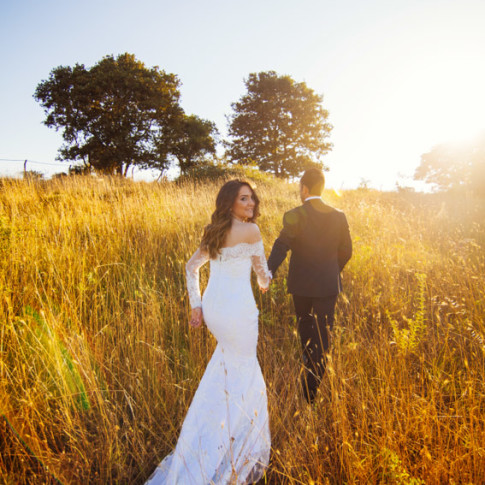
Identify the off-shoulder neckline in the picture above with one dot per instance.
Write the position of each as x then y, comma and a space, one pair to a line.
241, 243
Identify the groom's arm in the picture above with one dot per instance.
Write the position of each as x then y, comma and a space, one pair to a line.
345, 246
284, 242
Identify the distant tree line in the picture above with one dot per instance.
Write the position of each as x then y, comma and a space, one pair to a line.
120, 113
451, 166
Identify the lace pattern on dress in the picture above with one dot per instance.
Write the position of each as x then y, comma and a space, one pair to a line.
198, 259
260, 266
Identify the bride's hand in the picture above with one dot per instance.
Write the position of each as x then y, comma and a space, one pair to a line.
196, 317
263, 289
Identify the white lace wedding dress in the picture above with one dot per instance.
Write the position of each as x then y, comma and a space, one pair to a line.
225, 437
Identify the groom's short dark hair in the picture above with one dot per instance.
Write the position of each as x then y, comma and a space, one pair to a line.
314, 179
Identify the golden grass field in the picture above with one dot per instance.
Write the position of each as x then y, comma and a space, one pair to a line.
98, 364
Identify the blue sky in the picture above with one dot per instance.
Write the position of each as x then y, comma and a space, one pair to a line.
398, 77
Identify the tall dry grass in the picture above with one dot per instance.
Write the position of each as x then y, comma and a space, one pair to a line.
98, 365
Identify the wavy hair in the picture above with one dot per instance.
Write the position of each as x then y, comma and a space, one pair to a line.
221, 219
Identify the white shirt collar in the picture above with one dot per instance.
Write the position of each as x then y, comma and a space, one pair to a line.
313, 197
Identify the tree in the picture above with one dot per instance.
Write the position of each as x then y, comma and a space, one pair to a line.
195, 138
453, 165
280, 125
114, 115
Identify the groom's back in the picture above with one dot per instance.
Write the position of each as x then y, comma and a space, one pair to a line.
319, 240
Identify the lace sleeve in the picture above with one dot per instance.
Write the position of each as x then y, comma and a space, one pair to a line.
199, 258
260, 265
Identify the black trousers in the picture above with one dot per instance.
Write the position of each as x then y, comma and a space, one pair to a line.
315, 317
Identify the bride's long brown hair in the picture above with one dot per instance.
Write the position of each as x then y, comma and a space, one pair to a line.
221, 219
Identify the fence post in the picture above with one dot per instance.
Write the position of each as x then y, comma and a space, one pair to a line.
25, 168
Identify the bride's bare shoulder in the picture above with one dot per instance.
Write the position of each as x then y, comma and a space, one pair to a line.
252, 233
243, 233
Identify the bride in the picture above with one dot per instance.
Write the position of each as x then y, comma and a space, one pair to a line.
225, 437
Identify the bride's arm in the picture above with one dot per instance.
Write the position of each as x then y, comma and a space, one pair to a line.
199, 258
260, 266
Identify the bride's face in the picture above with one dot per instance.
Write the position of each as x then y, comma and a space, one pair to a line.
243, 207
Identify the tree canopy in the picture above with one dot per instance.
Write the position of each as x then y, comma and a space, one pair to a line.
194, 139
453, 165
279, 125
118, 113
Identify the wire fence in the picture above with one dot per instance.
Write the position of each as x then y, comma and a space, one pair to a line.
22, 167
57, 164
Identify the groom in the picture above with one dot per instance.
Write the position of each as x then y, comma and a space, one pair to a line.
319, 239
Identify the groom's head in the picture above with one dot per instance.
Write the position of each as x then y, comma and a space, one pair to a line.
312, 183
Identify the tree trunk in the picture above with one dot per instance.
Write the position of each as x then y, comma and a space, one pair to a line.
127, 166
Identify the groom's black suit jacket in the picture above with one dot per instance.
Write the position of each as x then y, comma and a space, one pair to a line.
319, 239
